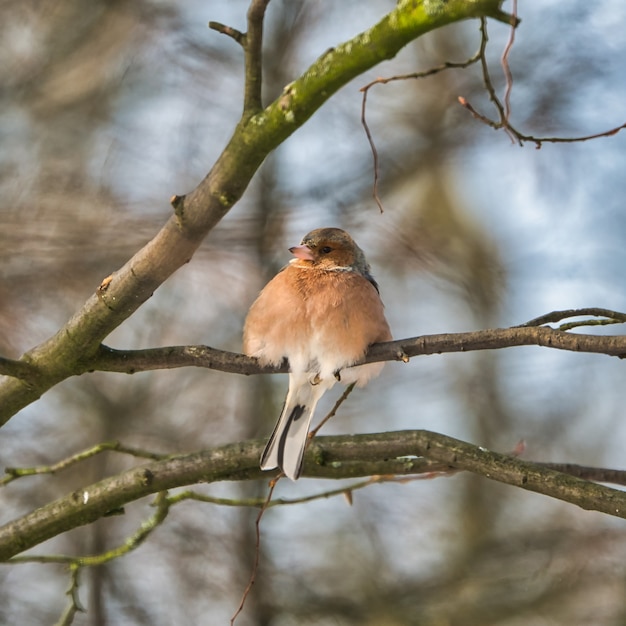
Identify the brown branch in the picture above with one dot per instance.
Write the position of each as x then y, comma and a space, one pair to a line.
487, 78
506, 68
530, 333
344, 396
345, 456
132, 361
521, 138
557, 316
257, 549
383, 81
370, 139
504, 110
229, 31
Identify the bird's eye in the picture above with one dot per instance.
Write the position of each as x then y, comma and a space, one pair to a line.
326, 250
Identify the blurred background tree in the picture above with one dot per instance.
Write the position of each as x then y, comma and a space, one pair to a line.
109, 108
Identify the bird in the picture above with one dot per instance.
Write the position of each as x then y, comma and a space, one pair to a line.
321, 312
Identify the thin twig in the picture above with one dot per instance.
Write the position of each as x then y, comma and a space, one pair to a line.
504, 111
13, 473
333, 411
487, 78
434, 468
557, 316
383, 81
506, 68
74, 604
229, 31
257, 548
368, 134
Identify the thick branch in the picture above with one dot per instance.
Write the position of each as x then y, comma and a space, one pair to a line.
121, 294
17, 369
327, 457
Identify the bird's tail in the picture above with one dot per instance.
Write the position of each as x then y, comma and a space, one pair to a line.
285, 448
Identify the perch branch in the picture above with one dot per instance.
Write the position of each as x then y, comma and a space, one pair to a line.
132, 361
530, 333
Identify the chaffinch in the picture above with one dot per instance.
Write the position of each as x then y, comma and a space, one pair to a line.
322, 312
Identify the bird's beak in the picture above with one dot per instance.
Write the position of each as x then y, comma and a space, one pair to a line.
302, 252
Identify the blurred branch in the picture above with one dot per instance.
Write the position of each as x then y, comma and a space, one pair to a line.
429, 468
76, 563
13, 473
74, 604
77, 343
334, 457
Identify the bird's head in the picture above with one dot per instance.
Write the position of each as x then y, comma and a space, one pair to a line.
331, 248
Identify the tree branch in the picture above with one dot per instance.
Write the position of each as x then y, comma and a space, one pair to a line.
345, 456
16, 369
252, 102
229, 31
133, 361
504, 110
528, 334
69, 351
